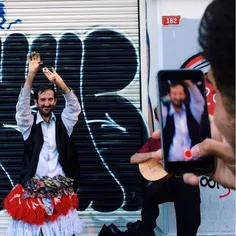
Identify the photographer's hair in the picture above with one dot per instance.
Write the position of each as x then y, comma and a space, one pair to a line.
42, 88
217, 39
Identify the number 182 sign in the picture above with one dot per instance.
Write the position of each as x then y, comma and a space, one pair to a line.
170, 20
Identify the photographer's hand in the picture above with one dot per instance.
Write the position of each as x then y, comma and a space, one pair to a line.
225, 163
224, 172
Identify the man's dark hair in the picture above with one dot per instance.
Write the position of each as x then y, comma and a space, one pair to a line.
217, 39
42, 88
176, 83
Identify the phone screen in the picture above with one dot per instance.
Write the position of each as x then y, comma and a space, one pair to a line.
184, 119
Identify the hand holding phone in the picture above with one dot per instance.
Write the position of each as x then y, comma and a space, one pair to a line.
184, 120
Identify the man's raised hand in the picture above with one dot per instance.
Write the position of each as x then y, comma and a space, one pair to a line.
34, 61
55, 78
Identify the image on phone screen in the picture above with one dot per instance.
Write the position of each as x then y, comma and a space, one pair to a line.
184, 119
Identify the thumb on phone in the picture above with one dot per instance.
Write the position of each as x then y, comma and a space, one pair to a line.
224, 162
211, 147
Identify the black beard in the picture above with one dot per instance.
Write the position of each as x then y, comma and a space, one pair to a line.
46, 114
50, 107
178, 106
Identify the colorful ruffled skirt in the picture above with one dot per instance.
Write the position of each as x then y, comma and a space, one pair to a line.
46, 206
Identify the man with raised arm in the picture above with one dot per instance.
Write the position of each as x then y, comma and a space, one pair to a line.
45, 203
181, 119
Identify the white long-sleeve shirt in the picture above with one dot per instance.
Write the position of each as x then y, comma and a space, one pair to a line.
48, 164
181, 140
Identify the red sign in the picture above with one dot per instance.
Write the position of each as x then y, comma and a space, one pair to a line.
210, 95
193, 62
170, 20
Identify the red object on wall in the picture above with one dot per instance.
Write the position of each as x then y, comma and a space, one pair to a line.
171, 20
210, 93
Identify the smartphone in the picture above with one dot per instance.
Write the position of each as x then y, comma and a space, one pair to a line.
184, 120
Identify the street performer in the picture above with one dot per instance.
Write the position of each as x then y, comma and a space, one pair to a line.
45, 201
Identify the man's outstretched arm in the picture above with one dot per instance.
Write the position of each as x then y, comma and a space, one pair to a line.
197, 101
24, 118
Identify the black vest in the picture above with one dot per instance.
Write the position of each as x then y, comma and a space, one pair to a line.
169, 130
68, 157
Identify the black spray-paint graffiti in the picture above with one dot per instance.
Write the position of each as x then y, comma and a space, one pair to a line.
110, 128
2, 17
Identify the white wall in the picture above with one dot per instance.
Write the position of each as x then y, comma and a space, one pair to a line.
192, 9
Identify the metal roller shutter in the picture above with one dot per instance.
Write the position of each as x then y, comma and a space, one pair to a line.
94, 46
